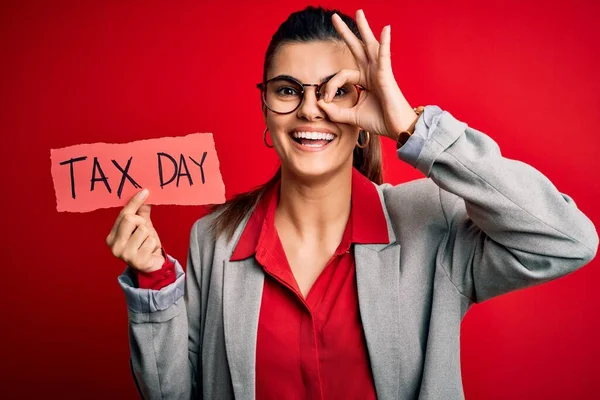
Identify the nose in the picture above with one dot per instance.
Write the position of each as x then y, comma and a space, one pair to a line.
309, 109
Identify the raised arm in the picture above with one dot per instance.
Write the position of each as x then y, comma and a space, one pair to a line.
508, 227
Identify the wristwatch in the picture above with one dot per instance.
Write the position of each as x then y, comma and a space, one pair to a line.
407, 133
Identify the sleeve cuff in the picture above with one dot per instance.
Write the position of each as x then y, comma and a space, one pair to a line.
143, 300
157, 279
411, 150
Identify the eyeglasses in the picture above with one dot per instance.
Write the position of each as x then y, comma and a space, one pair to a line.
284, 94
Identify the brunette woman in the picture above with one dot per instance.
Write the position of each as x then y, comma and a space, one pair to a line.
326, 283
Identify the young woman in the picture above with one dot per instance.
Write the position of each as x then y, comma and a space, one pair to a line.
326, 283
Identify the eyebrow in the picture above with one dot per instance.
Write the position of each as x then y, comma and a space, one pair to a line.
291, 77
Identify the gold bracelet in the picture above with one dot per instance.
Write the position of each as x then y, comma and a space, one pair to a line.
407, 133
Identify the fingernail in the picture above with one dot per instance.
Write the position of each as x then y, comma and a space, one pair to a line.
143, 194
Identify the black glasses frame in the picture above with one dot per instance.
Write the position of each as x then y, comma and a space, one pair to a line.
263, 88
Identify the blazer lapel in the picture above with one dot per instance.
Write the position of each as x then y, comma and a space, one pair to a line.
242, 294
378, 281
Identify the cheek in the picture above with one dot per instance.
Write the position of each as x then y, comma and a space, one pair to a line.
279, 124
350, 135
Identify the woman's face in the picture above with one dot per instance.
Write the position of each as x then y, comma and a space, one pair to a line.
310, 63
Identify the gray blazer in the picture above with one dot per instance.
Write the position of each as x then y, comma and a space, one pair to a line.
478, 226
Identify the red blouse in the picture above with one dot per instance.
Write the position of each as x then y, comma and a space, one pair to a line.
312, 348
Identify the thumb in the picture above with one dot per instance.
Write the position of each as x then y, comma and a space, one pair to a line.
338, 114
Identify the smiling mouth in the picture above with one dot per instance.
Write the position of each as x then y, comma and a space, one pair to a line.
313, 139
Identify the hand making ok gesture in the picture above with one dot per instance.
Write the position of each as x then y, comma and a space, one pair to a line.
382, 110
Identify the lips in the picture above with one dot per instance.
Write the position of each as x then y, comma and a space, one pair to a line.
312, 137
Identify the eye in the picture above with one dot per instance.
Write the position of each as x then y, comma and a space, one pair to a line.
341, 92
286, 91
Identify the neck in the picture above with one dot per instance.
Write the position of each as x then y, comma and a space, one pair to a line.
314, 209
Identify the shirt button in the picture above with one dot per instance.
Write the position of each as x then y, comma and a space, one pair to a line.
168, 273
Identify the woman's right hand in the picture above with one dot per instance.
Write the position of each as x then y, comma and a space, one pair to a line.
133, 239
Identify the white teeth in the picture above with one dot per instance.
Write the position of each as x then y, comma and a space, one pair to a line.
314, 135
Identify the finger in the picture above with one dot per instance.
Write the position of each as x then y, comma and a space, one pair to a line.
128, 224
143, 256
368, 37
355, 45
144, 212
125, 226
385, 56
337, 113
344, 76
137, 238
133, 244
130, 208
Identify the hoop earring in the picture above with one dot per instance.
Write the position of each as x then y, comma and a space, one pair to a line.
265, 139
366, 143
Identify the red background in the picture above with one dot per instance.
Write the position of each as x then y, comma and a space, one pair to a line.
526, 73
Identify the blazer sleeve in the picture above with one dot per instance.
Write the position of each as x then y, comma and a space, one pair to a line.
508, 227
164, 331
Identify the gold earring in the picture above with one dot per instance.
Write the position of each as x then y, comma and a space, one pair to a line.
366, 141
265, 139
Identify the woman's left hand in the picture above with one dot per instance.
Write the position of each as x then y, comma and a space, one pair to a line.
383, 110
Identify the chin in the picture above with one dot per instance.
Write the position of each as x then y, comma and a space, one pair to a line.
313, 169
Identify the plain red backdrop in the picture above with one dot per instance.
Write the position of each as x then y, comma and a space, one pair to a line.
526, 73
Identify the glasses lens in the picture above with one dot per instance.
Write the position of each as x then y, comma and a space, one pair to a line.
283, 95
345, 96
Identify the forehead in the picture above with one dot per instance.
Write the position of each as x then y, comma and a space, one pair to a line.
310, 62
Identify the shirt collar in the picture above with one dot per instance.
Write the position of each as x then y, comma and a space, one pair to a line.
368, 223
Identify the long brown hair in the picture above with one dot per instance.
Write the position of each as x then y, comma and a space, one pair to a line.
310, 24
